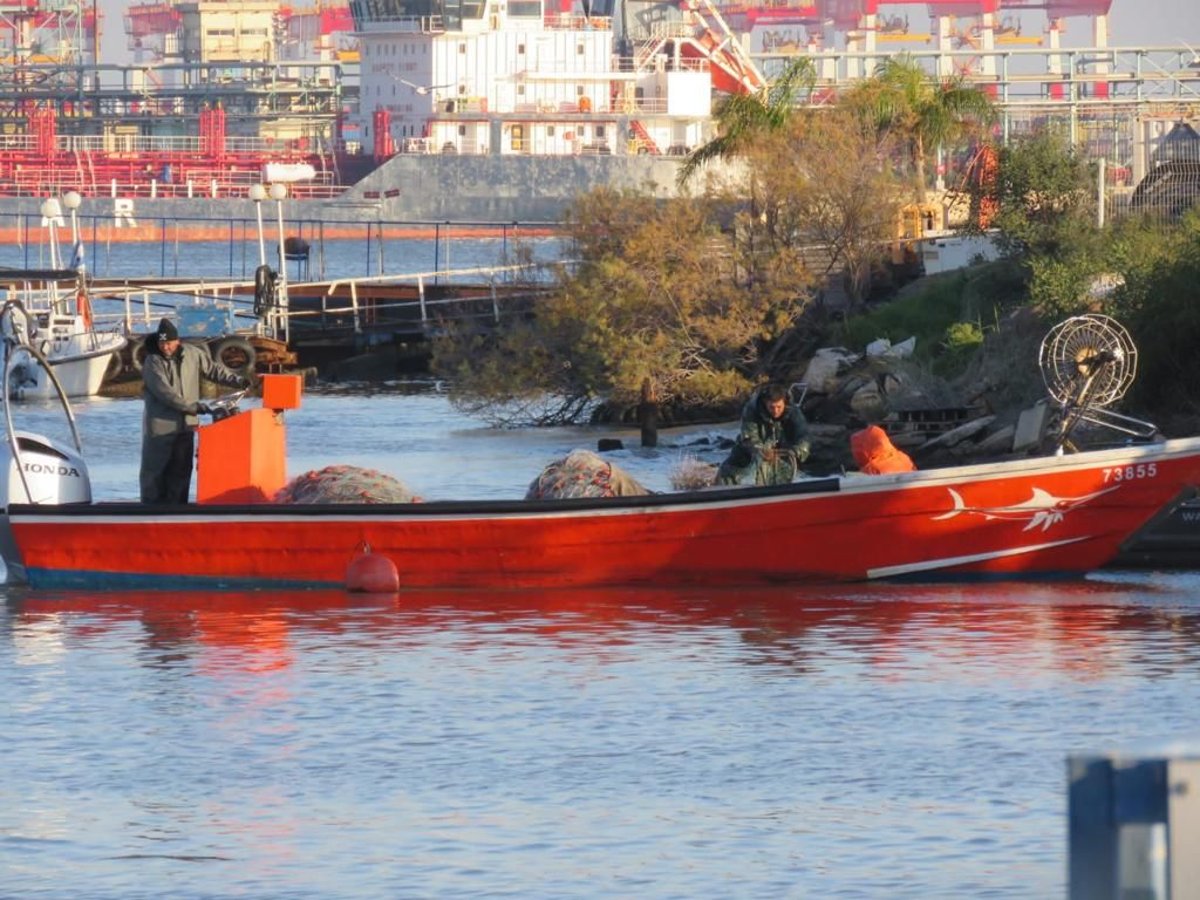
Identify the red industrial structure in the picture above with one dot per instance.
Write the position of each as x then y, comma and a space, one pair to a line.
815, 26
38, 163
33, 32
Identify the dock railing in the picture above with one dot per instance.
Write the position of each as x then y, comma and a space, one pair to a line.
412, 304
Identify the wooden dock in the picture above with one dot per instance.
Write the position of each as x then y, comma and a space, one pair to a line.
321, 322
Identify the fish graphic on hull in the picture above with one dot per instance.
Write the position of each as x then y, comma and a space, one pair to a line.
1042, 509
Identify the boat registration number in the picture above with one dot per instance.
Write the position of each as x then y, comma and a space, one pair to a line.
1131, 473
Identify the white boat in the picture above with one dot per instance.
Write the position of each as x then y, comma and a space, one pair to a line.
54, 327
51, 324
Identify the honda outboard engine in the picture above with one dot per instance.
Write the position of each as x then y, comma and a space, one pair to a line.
33, 469
43, 471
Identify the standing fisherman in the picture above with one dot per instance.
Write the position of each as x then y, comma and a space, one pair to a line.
171, 378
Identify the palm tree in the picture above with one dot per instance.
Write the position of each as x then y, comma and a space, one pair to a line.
740, 117
902, 97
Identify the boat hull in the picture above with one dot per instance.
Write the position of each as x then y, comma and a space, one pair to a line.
1038, 517
79, 368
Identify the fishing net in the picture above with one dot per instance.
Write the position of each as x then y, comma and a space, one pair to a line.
345, 484
581, 473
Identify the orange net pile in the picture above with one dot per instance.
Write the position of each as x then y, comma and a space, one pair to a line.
581, 473
345, 484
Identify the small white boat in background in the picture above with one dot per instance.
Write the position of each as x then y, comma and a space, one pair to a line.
51, 322
54, 326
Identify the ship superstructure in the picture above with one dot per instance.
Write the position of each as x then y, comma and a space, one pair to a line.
505, 77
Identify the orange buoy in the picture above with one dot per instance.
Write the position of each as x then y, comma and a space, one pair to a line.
83, 307
370, 573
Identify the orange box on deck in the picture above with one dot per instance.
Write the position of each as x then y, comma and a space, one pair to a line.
242, 459
281, 391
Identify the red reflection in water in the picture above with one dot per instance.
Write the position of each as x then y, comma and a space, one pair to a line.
1074, 621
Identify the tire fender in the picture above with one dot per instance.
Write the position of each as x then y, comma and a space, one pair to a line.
114, 367
236, 354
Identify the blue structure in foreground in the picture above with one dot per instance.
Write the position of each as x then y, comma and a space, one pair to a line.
1135, 824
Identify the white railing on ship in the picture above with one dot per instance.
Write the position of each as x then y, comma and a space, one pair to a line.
180, 145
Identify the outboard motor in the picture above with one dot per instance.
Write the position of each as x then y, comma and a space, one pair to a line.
43, 471
33, 469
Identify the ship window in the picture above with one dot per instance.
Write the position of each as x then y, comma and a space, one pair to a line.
462, 130
579, 49
518, 137
579, 90
462, 48
462, 88
599, 131
520, 90
520, 49
525, 9
549, 131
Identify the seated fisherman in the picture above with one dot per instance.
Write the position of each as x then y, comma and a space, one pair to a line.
771, 444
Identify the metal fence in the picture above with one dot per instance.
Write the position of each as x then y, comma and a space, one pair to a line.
1148, 161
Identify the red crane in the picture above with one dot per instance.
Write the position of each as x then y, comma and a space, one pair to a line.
846, 14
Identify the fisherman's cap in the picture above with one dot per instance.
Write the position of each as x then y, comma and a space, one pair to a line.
167, 330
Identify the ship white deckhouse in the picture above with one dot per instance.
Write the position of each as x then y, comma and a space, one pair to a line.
503, 77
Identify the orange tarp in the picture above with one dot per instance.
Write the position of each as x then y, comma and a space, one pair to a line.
875, 455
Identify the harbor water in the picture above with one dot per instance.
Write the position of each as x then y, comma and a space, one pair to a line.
834, 741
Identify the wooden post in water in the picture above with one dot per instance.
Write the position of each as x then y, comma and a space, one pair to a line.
648, 414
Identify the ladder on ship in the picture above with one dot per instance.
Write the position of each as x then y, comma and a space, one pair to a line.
642, 139
85, 170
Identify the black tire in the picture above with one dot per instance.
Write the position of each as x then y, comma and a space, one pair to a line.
236, 354
265, 289
114, 368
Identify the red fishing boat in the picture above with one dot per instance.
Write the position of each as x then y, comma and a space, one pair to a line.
1066, 513
1049, 516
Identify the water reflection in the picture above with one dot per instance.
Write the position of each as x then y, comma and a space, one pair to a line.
872, 740
1083, 627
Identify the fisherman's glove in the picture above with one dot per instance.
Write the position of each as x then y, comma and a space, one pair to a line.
203, 409
803, 449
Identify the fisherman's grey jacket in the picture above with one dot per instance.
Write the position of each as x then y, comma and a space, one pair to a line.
172, 387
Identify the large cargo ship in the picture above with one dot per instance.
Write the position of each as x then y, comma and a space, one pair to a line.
538, 98
482, 110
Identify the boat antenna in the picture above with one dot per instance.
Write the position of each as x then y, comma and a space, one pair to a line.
1088, 363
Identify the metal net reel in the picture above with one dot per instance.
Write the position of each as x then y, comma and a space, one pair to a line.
1088, 363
